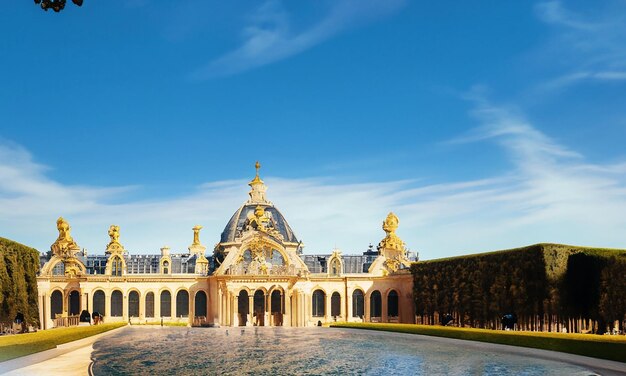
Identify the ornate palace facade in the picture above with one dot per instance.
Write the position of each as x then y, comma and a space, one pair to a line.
257, 275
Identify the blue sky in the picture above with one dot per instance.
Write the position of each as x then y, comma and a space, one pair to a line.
482, 125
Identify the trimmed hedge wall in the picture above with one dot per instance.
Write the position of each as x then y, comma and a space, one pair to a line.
548, 287
19, 265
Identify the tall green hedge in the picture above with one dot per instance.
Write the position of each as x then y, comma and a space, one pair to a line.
547, 286
19, 265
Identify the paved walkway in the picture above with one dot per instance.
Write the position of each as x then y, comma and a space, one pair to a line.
72, 358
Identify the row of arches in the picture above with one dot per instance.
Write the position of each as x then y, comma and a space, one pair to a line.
116, 303
260, 304
318, 304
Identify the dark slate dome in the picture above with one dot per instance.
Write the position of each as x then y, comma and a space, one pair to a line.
235, 226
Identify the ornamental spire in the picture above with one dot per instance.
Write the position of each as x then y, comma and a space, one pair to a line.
257, 193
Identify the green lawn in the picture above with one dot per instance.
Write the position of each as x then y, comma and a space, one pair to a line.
14, 346
597, 346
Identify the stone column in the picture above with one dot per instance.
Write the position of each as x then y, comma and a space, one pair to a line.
219, 320
383, 315
250, 309
107, 305
42, 313
236, 310
142, 307
349, 312
327, 307
287, 315
125, 307
48, 311
266, 318
84, 300
366, 308
173, 304
157, 306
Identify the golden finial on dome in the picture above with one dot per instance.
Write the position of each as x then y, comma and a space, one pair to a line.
257, 193
257, 179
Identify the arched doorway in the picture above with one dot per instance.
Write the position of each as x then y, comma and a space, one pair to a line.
56, 304
376, 305
166, 303
243, 307
200, 304
116, 304
259, 308
392, 304
335, 305
358, 304
182, 304
149, 304
276, 302
319, 303
74, 303
133, 304
99, 302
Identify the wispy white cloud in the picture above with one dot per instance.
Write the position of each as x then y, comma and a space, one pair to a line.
590, 47
271, 34
550, 193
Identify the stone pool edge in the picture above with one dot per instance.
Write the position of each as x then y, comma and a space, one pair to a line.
40, 358
604, 367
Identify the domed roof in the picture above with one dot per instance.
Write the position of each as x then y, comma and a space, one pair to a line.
235, 226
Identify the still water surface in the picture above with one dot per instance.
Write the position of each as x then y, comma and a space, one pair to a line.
303, 351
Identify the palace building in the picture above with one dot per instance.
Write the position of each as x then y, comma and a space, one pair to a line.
257, 275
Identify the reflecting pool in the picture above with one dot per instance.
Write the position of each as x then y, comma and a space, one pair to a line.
304, 351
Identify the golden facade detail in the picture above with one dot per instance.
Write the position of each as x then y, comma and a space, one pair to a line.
258, 188
64, 251
64, 246
391, 240
114, 245
257, 275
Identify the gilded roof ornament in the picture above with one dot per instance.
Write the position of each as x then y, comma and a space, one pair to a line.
64, 246
391, 240
114, 245
196, 235
257, 193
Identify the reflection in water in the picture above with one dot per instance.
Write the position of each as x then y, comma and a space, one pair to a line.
300, 351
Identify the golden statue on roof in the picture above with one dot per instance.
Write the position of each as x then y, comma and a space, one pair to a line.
114, 245
65, 245
391, 240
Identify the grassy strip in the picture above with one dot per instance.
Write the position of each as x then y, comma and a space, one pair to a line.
14, 346
603, 347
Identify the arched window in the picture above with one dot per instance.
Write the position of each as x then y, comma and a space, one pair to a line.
116, 266
319, 299
277, 258
56, 303
98, 302
133, 304
243, 307
335, 304
116, 303
182, 303
59, 268
74, 303
276, 302
166, 267
376, 304
392, 304
335, 267
166, 304
200, 304
358, 304
150, 304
